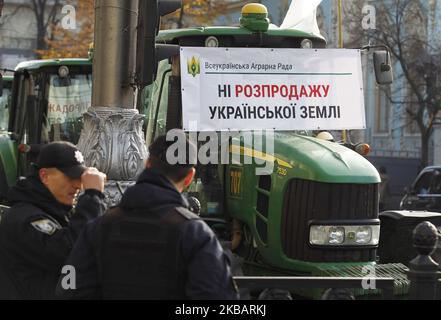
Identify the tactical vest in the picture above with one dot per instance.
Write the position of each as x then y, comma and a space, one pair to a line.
140, 254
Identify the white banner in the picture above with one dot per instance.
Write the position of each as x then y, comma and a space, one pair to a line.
282, 89
66, 104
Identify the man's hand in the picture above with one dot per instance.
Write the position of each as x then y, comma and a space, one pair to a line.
93, 179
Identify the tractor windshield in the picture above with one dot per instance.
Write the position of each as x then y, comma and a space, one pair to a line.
68, 99
4, 109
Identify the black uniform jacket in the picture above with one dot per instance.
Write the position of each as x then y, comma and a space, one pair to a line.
36, 236
208, 268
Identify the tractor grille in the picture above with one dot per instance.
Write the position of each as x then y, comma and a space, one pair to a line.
309, 200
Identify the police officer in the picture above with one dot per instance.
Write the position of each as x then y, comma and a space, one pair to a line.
151, 246
38, 231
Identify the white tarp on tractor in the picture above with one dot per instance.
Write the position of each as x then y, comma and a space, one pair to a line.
282, 89
302, 16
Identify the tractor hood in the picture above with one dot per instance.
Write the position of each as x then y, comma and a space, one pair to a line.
322, 161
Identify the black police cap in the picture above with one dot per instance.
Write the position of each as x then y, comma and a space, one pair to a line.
63, 156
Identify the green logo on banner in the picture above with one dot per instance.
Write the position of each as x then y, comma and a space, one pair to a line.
194, 66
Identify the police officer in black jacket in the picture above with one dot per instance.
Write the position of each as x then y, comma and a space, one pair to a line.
150, 246
38, 231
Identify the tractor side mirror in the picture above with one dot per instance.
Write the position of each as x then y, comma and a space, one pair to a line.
383, 67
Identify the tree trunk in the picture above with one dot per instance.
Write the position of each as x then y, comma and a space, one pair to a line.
39, 8
41, 35
425, 136
181, 18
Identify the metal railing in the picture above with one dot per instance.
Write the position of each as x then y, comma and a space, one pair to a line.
290, 283
424, 274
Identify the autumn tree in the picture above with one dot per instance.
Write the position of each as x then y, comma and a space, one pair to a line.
72, 43
404, 27
75, 43
45, 12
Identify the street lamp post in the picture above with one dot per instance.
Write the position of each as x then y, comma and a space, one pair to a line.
112, 138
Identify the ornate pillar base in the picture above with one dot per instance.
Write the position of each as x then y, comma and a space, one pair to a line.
114, 190
112, 141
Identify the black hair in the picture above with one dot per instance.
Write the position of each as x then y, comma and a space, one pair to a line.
158, 156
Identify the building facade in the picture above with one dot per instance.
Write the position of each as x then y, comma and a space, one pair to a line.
18, 30
393, 136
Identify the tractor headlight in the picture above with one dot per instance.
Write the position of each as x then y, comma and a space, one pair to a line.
306, 44
366, 235
336, 235
63, 72
363, 235
211, 42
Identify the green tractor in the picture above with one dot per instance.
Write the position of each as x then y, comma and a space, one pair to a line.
315, 214
48, 99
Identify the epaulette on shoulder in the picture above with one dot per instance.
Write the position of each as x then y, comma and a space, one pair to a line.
187, 214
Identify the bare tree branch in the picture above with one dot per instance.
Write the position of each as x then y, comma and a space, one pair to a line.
402, 25
44, 21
